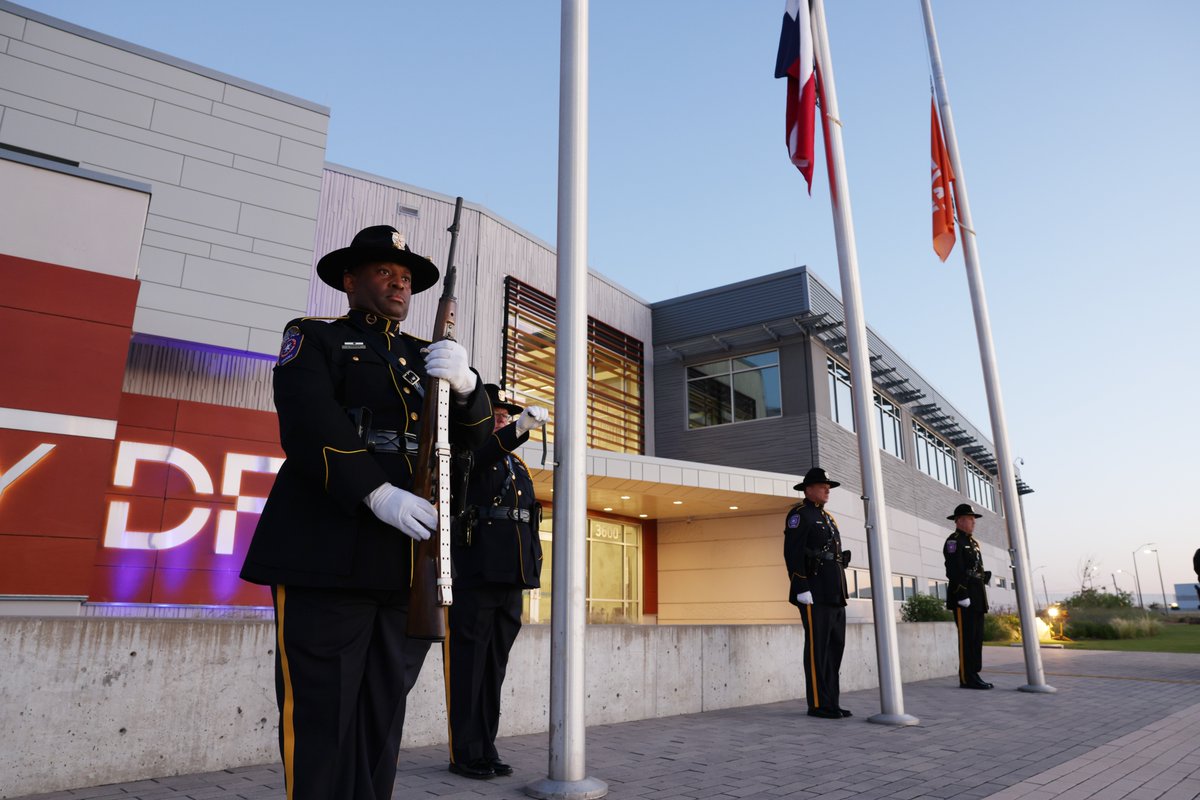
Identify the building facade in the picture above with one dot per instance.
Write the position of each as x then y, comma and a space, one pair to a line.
190, 208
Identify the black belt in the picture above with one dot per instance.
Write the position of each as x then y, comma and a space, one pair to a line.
826, 557
391, 442
500, 512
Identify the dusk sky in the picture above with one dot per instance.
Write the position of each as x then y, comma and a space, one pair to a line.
1077, 124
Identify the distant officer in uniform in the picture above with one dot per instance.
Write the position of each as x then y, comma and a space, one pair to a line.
335, 538
816, 564
497, 554
967, 594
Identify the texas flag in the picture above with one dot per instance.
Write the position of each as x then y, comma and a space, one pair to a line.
795, 62
941, 178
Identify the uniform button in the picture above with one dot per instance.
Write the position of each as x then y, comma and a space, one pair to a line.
403, 361
518, 492
354, 358
414, 416
407, 390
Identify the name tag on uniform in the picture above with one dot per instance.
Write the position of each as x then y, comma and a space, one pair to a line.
353, 346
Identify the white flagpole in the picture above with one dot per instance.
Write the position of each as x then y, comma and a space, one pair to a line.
891, 692
991, 375
567, 778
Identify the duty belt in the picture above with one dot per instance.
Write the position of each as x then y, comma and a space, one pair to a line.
391, 442
500, 512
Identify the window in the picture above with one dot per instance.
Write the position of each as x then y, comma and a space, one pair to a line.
903, 587
1002, 583
733, 390
615, 409
889, 426
980, 487
841, 402
935, 458
858, 584
614, 574
938, 588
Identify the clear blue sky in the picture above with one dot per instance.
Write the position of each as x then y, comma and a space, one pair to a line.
1077, 122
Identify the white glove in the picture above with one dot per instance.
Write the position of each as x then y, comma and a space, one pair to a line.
448, 360
965, 603
532, 417
804, 598
411, 515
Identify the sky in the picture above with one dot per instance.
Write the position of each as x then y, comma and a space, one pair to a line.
1077, 127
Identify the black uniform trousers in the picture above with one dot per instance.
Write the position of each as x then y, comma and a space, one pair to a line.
970, 642
484, 623
343, 670
824, 643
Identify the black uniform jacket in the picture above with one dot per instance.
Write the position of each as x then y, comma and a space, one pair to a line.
964, 571
500, 551
315, 529
812, 550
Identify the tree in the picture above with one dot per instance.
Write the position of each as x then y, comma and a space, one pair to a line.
1097, 598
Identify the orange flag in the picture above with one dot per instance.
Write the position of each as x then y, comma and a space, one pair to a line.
941, 176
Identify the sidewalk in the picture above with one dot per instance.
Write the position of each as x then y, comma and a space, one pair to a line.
1122, 725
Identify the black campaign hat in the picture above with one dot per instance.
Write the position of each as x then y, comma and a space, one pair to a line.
964, 510
500, 399
815, 475
378, 243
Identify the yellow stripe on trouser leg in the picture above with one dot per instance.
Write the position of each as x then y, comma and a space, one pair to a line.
962, 672
287, 719
812, 657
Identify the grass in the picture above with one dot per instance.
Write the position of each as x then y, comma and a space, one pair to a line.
1176, 637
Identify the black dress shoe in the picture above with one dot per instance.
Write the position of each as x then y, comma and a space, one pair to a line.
480, 770
986, 684
500, 768
825, 713
845, 712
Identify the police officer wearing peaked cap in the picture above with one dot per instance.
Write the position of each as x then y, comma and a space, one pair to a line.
967, 594
334, 541
816, 564
497, 554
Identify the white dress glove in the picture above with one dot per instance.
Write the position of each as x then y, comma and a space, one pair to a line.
532, 417
448, 360
411, 515
804, 598
965, 603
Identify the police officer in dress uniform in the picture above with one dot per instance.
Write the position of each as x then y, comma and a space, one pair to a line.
816, 564
335, 538
967, 594
497, 554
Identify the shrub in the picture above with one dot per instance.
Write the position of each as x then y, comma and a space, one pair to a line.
1119, 623
1093, 598
1001, 628
924, 608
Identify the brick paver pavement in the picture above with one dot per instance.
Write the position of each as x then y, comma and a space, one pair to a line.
1122, 726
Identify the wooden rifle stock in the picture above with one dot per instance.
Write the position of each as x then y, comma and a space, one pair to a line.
430, 590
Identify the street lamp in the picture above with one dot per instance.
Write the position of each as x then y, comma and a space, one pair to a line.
1166, 607
1137, 579
1045, 592
1116, 588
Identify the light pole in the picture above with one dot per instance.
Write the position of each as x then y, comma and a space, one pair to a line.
1166, 608
1116, 588
1044, 592
1137, 579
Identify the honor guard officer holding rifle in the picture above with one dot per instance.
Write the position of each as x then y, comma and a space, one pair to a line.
816, 564
497, 554
967, 594
335, 538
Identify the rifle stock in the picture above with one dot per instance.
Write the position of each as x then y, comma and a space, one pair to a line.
430, 590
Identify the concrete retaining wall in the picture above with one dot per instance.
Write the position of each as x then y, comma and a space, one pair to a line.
90, 701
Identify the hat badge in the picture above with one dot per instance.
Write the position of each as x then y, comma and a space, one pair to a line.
398, 240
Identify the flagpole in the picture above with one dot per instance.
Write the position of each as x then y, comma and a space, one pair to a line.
567, 774
991, 376
891, 692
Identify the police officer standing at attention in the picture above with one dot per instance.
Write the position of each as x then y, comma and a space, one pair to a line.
816, 564
967, 595
497, 554
335, 538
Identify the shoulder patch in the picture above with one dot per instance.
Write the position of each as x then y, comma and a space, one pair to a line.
793, 521
951, 546
292, 339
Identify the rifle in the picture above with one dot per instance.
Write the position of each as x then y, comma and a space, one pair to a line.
431, 589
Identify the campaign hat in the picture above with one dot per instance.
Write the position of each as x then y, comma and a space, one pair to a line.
377, 244
964, 510
815, 475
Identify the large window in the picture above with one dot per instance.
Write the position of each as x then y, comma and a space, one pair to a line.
935, 458
858, 584
938, 588
980, 487
615, 411
841, 402
903, 587
614, 574
841, 408
733, 390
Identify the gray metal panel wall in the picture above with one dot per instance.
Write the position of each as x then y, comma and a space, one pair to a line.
234, 169
772, 297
